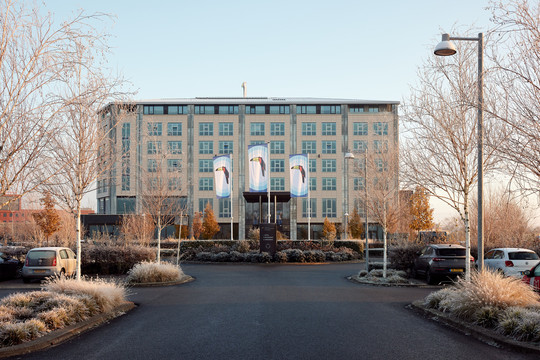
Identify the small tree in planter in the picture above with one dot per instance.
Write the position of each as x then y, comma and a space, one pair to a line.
356, 226
210, 226
197, 225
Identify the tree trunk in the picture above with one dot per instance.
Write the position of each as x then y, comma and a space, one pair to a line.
385, 244
159, 240
78, 239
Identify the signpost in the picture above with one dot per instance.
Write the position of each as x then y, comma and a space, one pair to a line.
268, 238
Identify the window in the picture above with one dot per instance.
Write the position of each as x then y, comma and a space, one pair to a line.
257, 129
360, 128
360, 145
277, 184
226, 129
277, 165
224, 208
174, 184
206, 129
329, 184
329, 147
356, 108
309, 129
312, 165
277, 129
154, 147
373, 109
312, 184
277, 147
381, 165
380, 146
330, 109
329, 128
174, 129
206, 166
125, 182
306, 109
255, 109
380, 128
359, 183
228, 109
257, 142
152, 165
281, 109
312, 210
126, 127
309, 147
209, 110
155, 129
225, 147
206, 147
174, 147
329, 165
177, 109
329, 208
206, 184
203, 202
174, 165
153, 110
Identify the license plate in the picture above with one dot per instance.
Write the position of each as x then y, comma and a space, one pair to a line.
39, 271
456, 270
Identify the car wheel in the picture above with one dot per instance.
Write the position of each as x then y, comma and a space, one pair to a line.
18, 273
414, 273
430, 279
26, 280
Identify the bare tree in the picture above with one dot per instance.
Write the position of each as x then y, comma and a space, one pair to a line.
81, 147
380, 168
161, 197
35, 54
517, 62
440, 146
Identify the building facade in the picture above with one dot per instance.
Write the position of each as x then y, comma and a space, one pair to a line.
177, 140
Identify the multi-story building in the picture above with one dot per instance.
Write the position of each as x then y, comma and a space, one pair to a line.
185, 134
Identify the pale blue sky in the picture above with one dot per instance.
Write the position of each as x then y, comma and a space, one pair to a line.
298, 48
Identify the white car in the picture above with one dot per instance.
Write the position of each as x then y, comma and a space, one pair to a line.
511, 261
48, 261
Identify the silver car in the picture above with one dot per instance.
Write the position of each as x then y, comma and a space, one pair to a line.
511, 261
48, 261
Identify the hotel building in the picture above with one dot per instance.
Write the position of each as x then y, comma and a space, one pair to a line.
187, 133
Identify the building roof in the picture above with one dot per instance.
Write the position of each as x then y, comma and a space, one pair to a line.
262, 101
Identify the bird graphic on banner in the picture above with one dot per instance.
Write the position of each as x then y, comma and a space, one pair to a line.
302, 171
260, 161
225, 172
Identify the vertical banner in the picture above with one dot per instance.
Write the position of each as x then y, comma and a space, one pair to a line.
222, 175
258, 168
299, 175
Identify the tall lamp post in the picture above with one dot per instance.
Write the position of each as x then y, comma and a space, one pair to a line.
447, 48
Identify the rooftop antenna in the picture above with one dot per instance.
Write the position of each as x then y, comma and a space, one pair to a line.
244, 88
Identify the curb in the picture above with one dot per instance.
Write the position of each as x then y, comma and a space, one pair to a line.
58, 336
485, 335
183, 280
358, 280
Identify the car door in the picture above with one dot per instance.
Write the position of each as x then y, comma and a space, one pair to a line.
72, 261
423, 259
488, 259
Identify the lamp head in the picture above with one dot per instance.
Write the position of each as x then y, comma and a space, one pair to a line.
445, 47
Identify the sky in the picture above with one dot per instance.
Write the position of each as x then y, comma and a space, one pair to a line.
368, 50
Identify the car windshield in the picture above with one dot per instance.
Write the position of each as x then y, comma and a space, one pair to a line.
41, 254
451, 252
522, 255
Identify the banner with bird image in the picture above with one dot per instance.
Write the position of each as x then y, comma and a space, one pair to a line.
299, 175
222, 175
258, 167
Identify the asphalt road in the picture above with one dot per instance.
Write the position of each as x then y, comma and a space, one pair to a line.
274, 312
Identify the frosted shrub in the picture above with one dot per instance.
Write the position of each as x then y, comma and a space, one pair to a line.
242, 246
107, 294
433, 300
528, 328
16, 333
149, 272
280, 257
487, 316
509, 320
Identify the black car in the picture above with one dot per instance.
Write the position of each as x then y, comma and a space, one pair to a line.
10, 268
440, 261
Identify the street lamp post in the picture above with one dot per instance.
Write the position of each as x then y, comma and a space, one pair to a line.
348, 156
447, 48
346, 225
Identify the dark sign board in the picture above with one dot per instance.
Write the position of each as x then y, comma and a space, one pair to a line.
268, 238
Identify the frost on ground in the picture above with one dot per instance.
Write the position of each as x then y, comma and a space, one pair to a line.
392, 276
151, 272
60, 303
505, 304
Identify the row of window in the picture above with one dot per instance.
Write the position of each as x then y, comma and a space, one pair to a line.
155, 147
173, 165
277, 165
258, 129
257, 109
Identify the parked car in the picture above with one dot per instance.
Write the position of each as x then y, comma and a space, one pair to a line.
440, 261
48, 261
511, 261
532, 277
10, 268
